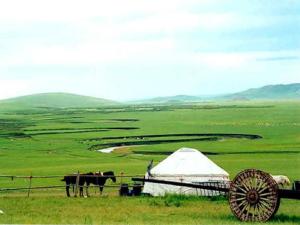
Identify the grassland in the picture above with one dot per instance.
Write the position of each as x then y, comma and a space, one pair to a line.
50, 141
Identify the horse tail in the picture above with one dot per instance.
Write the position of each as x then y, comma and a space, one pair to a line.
63, 179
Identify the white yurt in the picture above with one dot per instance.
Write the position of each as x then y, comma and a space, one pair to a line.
186, 165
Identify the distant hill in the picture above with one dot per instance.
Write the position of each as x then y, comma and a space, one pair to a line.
171, 99
56, 100
269, 92
272, 92
66, 100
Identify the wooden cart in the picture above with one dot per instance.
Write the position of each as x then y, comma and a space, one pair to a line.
253, 195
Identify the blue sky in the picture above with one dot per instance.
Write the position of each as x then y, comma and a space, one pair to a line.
131, 49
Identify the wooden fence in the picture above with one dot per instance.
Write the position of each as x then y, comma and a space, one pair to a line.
29, 188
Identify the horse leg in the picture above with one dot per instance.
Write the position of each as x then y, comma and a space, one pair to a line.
101, 189
81, 191
81, 185
67, 189
87, 190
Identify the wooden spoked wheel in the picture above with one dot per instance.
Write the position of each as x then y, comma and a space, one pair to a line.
253, 196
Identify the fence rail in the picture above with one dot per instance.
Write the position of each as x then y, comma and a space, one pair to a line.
61, 176
56, 186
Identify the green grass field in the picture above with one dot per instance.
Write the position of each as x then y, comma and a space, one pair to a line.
49, 141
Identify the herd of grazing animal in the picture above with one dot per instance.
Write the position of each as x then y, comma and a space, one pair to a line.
86, 179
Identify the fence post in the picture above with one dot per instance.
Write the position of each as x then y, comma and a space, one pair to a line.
29, 188
77, 183
181, 180
122, 174
121, 180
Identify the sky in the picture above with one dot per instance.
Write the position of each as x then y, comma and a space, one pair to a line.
133, 49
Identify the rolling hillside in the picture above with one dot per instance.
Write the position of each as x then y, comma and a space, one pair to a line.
66, 100
271, 92
56, 100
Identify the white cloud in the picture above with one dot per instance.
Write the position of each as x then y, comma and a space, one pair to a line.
170, 22
221, 60
146, 38
77, 10
13, 87
103, 32
87, 54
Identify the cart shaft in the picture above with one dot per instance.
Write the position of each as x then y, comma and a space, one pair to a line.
290, 194
200, 186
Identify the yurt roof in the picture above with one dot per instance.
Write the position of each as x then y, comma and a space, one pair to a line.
187, 162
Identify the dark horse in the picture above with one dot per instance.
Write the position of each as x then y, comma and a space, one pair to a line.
97, 178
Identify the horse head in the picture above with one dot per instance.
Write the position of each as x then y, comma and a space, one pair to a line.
111, 175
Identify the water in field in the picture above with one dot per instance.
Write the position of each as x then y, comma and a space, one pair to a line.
107, 150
